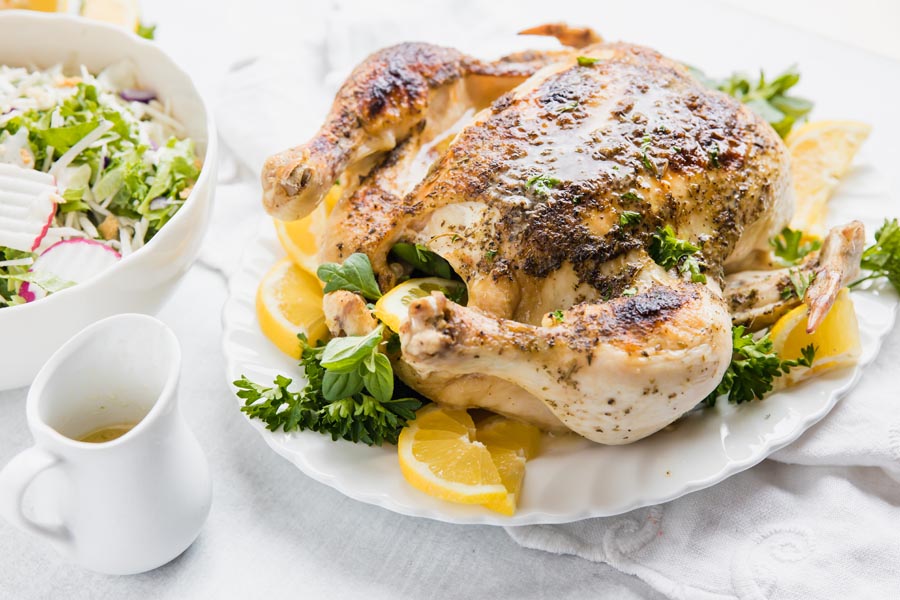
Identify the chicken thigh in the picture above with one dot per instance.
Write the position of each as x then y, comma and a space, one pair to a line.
546, 203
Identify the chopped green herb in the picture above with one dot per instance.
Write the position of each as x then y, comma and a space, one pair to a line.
148, 32
541, 184
567, 107
586, 61
799, 283
789, 248
490, 254
754, 368
669, 252
713, 152
557, 316
631, 197
629, 217
645, 157
629, 292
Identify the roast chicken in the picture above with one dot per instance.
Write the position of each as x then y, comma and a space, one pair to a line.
542, 178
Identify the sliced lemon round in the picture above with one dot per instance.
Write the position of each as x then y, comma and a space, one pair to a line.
124, 13
836, 340
39, 5
510, 443
439, 456
393, 307
289, 302
821, 153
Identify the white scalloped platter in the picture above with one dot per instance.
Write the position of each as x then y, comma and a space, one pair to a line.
572, 479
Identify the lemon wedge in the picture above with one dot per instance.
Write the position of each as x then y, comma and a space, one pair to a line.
393, 307
500, 432
301, 239
124, 13
40, 5
289, 302
821, 153
439, 456
510, 444
836, 340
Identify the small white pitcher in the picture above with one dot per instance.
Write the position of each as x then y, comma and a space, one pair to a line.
124, 506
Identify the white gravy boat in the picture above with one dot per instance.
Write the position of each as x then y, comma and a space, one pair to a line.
123, 506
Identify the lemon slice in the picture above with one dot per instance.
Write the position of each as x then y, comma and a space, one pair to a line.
40, 5
501, 432
836, 340
821, 153
288, 302
439, 456
124, 13
511, 466
510, 443
301, 239
393, 307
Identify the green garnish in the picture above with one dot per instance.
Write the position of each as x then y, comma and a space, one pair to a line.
629, 217
148, 32
882, 259
541, 184
354, 275
629, 292
713, 153
645, 158
420, 258
799, 283
754, 368
353, 402
567, 107
631, 196
586, 61
767, 98
490, 254
788, 248
669, 252
557, 316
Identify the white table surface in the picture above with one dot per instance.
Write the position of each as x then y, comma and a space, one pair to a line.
273, 532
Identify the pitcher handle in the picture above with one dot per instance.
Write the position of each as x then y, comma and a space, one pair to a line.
15, 478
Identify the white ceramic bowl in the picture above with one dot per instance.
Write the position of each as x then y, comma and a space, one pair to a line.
139, 282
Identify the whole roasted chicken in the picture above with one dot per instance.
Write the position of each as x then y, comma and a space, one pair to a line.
553, 182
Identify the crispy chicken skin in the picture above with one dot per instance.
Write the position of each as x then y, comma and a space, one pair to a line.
545, 203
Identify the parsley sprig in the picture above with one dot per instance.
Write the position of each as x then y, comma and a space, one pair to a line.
669, 252
789, 247
882, 259
767, 97
754, 368
348, 394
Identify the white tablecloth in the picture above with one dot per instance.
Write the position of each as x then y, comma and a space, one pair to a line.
273, 532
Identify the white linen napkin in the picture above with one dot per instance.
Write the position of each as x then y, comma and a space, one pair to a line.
817, 520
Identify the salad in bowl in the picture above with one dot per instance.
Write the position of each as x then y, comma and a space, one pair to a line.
118, 167
107, 170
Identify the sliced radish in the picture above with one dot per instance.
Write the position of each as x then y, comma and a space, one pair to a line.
71, 261
28, 201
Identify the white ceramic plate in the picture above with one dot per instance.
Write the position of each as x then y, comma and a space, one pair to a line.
572, 479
